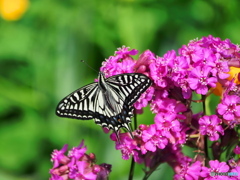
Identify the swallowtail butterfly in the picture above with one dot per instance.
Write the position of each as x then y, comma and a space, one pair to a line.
109, 101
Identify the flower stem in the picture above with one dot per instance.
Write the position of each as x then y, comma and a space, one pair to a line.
130, 177
205, 137
149, 173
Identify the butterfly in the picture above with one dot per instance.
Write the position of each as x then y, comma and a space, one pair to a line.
109, 101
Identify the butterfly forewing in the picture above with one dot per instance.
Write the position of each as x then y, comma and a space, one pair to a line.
79, 104
109, 102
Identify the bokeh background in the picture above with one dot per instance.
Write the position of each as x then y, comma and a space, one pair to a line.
41, 45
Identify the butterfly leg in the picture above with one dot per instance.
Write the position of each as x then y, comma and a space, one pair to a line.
128, 129
117, 135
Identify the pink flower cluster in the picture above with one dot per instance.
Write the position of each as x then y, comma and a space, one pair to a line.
217, 170
197, 69
77, 165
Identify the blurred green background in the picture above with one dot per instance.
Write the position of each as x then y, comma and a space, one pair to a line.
40, 55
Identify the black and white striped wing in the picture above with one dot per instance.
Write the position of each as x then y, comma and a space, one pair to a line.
129, 86
110, 105
114, 109
80, 103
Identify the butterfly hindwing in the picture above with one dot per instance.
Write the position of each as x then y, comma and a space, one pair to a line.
129, 86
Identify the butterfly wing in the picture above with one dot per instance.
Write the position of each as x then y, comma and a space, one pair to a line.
130, 86
114, 107
79, 104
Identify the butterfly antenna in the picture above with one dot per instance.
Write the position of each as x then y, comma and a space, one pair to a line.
88, 65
